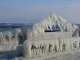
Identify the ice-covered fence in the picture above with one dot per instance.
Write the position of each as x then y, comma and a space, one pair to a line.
69, 43
10, 39
34, 48
48, 35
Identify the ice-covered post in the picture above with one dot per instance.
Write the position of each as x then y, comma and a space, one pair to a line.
1, 38
27, 48
77, 44
9, 36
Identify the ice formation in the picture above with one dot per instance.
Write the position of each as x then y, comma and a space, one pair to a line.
51, 24
51, 35
10, 39
34, 48
79, 31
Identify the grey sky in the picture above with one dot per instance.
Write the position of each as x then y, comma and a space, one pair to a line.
32, 14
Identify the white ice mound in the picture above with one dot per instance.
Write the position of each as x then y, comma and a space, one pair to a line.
53, 21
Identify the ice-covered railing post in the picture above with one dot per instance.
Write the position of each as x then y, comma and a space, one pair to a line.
27, 48
1, 39
9, 37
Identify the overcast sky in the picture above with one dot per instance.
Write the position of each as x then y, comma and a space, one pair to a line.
31, 11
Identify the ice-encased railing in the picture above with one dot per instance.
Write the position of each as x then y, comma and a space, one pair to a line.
10, 39
35, 48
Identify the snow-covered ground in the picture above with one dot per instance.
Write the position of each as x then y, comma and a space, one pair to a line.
75, 56
66, 55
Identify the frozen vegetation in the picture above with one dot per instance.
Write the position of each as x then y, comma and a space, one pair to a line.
52, 37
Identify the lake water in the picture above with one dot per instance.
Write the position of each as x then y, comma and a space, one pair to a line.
7, 28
